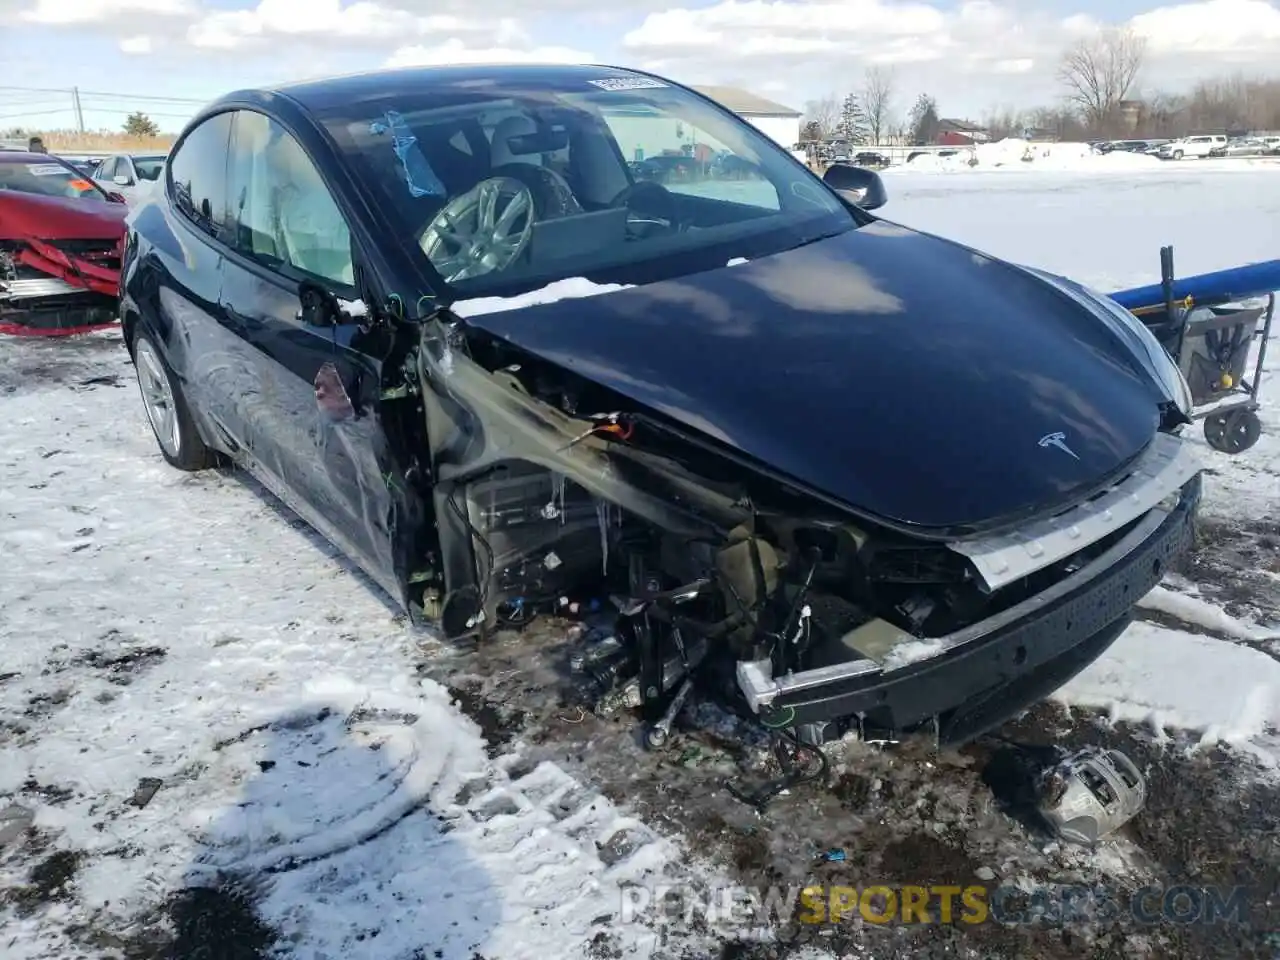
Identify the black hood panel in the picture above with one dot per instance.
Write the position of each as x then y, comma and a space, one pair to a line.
902, 374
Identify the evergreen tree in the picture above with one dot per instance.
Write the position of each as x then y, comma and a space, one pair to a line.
924, 120
853, 120
138, 124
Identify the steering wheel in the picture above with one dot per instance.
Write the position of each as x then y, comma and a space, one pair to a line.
484, 230
651, 207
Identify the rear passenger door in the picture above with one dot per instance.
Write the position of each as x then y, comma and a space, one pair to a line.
181, 297
310, 415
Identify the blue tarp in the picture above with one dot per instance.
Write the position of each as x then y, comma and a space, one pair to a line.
418, 175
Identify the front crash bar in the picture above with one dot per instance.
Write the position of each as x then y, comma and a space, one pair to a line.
995, 667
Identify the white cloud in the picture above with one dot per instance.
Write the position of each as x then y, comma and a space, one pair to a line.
972, 54
967, 51
136, 45
1234, 28
72, 12
1021, 65
455, 51
332, 21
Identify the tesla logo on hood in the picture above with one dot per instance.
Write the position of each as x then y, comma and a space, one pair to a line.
1058, 440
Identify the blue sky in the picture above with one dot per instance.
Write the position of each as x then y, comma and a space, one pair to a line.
972, 55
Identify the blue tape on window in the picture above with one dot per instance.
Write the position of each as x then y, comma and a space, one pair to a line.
418, 175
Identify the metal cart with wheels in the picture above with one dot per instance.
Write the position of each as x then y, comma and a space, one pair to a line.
1209, 329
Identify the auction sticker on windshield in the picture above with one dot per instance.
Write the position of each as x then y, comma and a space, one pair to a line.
45, 169
627, 83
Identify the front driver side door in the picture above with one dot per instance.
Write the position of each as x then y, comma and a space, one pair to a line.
311, 423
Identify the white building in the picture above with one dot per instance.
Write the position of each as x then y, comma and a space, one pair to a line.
642, 132
778, 121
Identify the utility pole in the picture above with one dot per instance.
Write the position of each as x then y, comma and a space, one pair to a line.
75, 102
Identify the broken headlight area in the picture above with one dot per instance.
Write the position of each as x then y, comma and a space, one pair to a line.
709, 574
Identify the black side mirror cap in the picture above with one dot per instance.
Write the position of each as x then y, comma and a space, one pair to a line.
858, 185
318, 307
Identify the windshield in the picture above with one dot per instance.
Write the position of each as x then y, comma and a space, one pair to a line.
505, 186
148, 168
47, 179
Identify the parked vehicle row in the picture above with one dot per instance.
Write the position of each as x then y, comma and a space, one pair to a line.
1199, 146
1248, 147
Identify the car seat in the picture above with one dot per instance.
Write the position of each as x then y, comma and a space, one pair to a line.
552, 196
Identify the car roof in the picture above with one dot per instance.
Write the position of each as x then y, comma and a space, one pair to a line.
22, 156
321, 95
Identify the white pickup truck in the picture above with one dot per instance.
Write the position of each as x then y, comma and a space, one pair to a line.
1191, 147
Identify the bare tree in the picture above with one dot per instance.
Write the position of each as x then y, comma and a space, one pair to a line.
877, 103
1004, 122
824, 112
1099, 72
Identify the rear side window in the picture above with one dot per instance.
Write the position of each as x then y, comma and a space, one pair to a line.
107, 169
148, 168
198, 169
48, 179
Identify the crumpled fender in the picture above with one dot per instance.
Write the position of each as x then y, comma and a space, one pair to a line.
74, 270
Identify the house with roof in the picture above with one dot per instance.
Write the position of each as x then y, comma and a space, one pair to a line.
780, 122
643, 133
959, 133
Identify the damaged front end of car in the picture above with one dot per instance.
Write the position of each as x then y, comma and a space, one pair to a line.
58, 287
722, 572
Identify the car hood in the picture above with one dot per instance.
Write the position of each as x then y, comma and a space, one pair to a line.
58, 218
906, 376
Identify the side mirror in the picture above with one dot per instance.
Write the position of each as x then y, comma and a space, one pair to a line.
120, 180
117, 198
857, 185
318, 307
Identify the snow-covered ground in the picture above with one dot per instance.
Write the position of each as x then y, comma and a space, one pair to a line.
193, 687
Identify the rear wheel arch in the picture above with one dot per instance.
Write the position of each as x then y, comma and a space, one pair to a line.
128, 327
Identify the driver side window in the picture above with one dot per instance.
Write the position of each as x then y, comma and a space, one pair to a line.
282, 213
668, 150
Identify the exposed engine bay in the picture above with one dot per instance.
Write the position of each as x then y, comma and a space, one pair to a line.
704, 570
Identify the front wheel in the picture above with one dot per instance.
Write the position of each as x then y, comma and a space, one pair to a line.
167, 412
1177, 154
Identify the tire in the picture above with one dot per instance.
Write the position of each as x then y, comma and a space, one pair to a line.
1233, 432
166, 409
1177, 154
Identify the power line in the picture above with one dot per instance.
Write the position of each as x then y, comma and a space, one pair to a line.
67, 91
33, 113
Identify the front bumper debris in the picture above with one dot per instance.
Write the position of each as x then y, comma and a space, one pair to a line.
1091, 794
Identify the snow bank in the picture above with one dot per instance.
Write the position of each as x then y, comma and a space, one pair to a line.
1015, 154
1170, 679
1196, 611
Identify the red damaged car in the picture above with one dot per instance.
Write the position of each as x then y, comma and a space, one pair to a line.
60, 246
